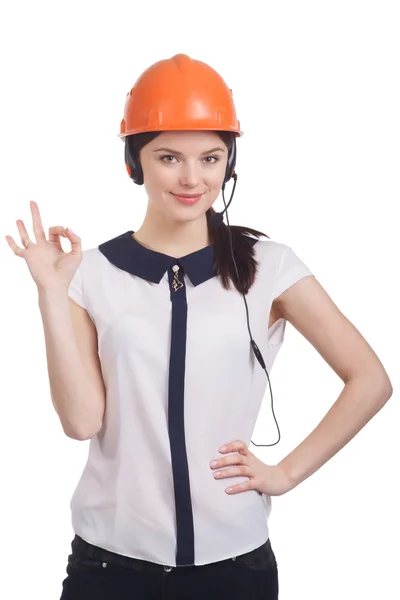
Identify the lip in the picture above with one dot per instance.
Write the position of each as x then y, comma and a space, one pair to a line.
187, 198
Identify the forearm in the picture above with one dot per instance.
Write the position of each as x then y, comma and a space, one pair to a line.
359, 401
72, 394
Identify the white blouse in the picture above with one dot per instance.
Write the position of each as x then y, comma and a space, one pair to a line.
181, 379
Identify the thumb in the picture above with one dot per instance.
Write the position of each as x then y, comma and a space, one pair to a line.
75, 241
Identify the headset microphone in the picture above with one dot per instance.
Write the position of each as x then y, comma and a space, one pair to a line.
218, 217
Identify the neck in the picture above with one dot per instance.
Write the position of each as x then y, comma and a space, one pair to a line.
173, 237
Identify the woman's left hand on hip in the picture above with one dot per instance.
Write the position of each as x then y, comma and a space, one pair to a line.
267, 479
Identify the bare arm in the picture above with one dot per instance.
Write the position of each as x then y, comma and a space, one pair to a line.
76, 383
367, 386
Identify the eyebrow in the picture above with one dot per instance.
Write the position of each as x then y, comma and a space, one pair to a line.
171, 151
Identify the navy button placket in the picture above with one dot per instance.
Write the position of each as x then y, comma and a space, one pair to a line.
176, 424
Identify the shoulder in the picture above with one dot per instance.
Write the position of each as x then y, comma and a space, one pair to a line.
266, 249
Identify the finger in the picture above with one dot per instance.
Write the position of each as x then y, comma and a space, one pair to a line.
241, 487
56, 230
235, 471
54, 235
234, 459
75, 240
17, 250
37, 222
23, 233
235, 446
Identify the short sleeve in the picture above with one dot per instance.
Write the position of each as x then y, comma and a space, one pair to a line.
75, 290
291, 268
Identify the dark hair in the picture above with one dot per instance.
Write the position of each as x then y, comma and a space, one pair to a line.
243, 251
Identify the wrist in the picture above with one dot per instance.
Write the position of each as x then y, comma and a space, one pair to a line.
291, 480
52, 293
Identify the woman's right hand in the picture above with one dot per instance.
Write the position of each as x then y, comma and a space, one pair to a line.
49, 265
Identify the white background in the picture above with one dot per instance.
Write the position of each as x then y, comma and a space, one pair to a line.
316, 87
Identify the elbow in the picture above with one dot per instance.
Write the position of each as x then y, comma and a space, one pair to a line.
385, 387
377, 386
388, 390
382, 386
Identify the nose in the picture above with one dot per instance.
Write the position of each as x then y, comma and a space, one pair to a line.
189, 176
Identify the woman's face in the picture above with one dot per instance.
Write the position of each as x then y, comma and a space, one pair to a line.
183, 162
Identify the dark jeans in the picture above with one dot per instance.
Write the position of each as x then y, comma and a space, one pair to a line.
97, 574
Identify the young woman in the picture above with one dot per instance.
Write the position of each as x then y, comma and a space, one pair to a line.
152, 358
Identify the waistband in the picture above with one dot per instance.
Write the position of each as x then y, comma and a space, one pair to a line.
260, 558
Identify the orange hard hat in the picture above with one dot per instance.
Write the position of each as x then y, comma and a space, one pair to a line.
179, 93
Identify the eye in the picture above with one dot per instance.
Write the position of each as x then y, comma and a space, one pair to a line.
167, 156
214, 157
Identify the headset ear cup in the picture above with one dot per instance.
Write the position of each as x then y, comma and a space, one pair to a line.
230, 167
133, 168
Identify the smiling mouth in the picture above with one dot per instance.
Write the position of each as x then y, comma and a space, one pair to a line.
188, 195
188, 199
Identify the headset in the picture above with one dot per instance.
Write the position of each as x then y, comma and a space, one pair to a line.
135, 172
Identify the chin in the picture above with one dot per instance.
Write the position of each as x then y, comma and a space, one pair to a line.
184, 212
184, 215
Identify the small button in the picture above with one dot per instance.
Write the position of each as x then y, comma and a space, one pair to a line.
104, 564
168, 569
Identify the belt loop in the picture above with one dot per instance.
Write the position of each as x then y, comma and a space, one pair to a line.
91, 550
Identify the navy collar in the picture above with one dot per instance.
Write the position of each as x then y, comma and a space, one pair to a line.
126, 253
